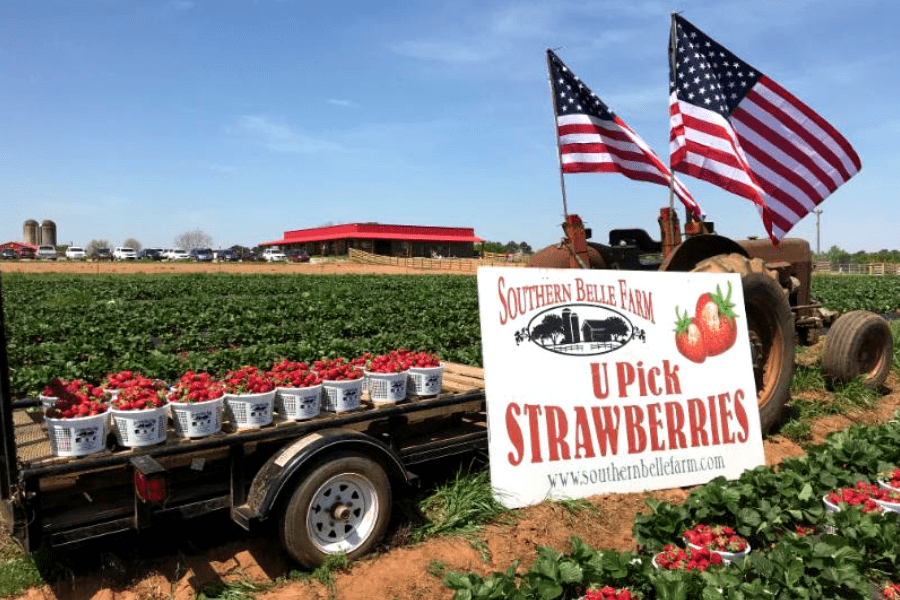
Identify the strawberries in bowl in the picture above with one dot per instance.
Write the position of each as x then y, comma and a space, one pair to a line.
337, 369
291, 374
673, 558
394, 361
194, 387
248, 380
69, 399
128, 379
138, 398
718, 538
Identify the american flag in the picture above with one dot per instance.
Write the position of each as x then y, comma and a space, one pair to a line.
594, 140
736, 128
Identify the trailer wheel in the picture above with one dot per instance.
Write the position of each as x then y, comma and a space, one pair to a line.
859, 343
342, 504
770, 325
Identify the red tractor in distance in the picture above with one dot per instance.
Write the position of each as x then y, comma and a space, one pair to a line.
776, 282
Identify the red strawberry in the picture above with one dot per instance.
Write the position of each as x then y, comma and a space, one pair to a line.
715, 317
689, 338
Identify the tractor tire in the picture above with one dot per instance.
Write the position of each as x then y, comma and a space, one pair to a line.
770, 325
341, 504
859, 343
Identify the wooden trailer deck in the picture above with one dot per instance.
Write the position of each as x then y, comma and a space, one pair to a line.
461, 384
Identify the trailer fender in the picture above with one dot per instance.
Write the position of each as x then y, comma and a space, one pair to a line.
275, 474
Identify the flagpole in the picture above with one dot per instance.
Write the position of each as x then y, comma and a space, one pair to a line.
562, 180
672, 49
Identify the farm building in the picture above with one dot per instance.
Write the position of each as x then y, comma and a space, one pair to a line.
378, 238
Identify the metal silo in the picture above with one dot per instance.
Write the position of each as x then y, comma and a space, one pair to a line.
48, 233
30, 232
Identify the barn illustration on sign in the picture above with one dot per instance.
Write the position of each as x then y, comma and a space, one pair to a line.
579, 329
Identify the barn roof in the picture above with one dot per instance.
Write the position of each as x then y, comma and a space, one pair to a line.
378, 231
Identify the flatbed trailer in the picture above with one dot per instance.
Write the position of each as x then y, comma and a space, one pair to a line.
327, 481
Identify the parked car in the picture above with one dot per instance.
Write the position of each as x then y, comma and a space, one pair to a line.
150, 254
296, 256
26, 252
101, 253
75, 253
176, 254
273, 255
8, 254
47, 252
201, 254
124, 253
227, 255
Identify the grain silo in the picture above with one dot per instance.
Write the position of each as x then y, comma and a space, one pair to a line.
48, 233
30, 232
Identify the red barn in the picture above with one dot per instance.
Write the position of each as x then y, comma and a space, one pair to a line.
378, 238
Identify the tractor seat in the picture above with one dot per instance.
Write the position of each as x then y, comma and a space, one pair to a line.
635, 238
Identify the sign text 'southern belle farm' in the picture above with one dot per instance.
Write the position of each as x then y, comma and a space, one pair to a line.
615, 381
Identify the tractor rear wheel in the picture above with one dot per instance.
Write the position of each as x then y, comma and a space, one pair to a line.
859, 343
770, 326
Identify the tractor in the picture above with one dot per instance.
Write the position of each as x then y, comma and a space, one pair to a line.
781, 313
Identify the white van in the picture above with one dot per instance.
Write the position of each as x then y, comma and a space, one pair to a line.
124, 253
274, 255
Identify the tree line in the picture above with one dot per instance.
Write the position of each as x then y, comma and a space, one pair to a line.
839, 256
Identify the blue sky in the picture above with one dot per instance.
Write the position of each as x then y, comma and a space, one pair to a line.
146, 119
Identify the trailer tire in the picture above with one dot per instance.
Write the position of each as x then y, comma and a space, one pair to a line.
859, 343
341, 504
770, 325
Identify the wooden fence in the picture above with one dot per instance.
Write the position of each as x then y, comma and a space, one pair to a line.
434, 264
827, 268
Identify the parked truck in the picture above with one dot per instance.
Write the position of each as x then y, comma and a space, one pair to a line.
326, 482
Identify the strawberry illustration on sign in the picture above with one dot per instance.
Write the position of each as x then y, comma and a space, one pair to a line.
689, 338
715, 317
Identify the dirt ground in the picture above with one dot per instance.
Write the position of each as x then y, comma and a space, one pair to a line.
158, 566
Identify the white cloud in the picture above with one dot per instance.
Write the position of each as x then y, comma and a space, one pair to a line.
279, 137
181, 6
338, 102
445, 51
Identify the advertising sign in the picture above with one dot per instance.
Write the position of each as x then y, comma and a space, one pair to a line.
603, 381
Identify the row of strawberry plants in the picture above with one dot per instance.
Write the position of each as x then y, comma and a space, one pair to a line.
857, 292
779, 511
82, 326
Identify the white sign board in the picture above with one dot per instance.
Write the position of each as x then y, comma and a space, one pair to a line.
590, 388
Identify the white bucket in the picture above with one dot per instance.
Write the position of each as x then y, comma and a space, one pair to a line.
386, 388
426, 381
341, 396
79, 436
197, 419
140, 427
250, 411
299, 404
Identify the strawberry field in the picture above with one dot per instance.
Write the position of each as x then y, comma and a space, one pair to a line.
84, 326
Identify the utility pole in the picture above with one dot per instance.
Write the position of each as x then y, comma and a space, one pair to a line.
818, 212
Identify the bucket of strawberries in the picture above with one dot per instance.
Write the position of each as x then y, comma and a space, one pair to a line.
196, 402
387, 375
77, 420
298, 390
249, 397
721, 539
674, 558
426, 374
342, 382
140, 416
